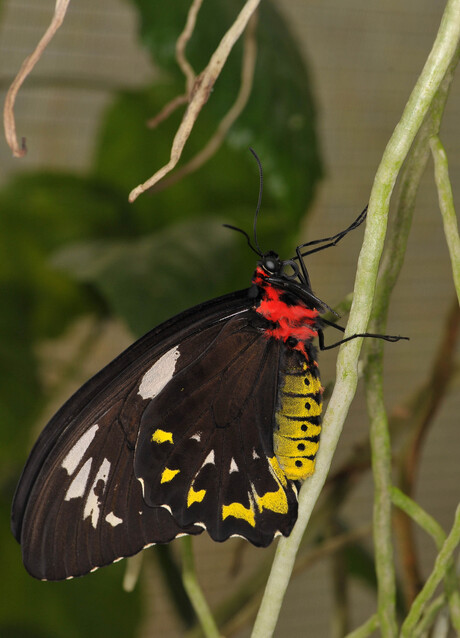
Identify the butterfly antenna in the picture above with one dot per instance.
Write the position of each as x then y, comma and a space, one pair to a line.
261, 188
243, 232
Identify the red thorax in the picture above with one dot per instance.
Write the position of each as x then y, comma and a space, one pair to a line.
297, 321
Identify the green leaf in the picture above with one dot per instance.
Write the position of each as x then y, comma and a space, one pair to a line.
148, 280
40, 212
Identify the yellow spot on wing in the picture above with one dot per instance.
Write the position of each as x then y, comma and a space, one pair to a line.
238, 510
168, 475
160, 436
280, 475
195, 497
274, 501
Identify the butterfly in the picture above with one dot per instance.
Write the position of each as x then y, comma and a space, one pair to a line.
210, 421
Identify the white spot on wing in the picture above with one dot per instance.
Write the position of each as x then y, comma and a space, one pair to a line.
255, 455
77, 452
78, 486
161, 373
167, 508
197, 437
141, 481
233, 466
209, 459
92, 506
113, 520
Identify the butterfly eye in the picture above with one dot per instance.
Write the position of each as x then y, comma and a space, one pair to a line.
270, 264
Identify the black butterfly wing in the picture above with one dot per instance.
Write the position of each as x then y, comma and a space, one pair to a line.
205, 445
78, 504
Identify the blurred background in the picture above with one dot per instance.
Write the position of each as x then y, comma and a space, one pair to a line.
330, 84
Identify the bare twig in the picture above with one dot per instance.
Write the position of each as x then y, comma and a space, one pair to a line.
27, 66
184, 65
181, 43
202, 89
167, 110
247, 76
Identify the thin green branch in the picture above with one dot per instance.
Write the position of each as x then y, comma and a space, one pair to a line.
381, 466
433, 72
419, 515
194, 591
432, 527
446, 204
366, 629
429, 616
441, 565
440, 58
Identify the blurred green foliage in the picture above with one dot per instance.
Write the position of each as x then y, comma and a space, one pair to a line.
72, 245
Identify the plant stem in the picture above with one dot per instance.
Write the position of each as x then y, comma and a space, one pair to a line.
429, 616
194, 591
440, 567
446, 204
438, 62
418, 514
424, 91
366, 629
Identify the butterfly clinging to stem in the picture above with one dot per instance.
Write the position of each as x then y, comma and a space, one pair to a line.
209, 422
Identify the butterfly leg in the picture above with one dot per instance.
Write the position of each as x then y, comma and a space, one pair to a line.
322, 346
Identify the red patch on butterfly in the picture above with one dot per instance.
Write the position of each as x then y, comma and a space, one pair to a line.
295, 321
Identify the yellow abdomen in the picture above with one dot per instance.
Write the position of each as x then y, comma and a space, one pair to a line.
298, 421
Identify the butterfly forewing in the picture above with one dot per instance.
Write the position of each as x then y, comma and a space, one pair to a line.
78, 504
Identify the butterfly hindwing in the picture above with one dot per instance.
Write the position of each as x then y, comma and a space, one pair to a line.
205, 446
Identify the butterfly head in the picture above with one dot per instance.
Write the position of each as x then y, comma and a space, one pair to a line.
271, 264
283, 275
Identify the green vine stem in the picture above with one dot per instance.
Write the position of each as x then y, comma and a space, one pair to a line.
391, 265
366, 629
397, 149
446, 204
194, 591
429, 616
441, 565
419, 515
432, 527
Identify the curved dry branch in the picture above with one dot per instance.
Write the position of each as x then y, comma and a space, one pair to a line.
201, 91
167, 110
247, 77
181, 43
27, 66
184, 65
